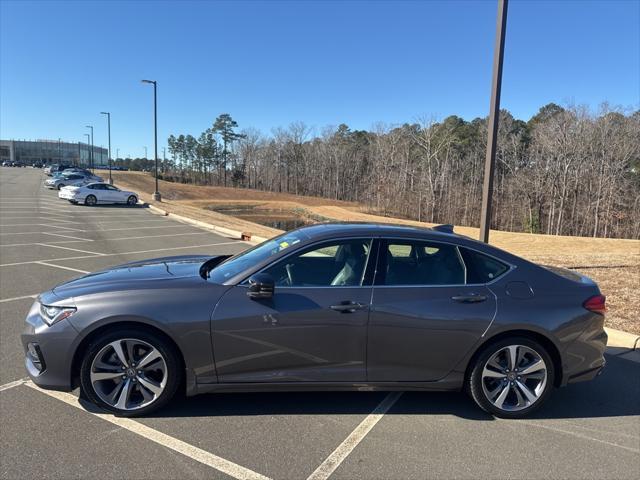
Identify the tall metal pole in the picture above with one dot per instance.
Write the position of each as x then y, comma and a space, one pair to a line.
109, 135
91, 155
59, 152
494, 115
88, 151
156, 195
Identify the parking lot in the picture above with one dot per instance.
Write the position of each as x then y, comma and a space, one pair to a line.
589, 430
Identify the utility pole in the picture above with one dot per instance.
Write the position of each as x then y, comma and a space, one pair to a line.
91, 156
109, 135
88, 151
494, 115
156, 195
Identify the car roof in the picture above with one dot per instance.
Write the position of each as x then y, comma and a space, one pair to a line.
343, 229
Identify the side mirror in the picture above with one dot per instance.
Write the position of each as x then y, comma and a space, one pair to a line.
261, 285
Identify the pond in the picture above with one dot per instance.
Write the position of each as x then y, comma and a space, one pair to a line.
281, 219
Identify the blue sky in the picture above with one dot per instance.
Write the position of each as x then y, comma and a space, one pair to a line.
272, 63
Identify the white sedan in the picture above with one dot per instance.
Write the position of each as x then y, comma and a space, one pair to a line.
97, 193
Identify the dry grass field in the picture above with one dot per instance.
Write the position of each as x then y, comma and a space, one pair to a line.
613, 263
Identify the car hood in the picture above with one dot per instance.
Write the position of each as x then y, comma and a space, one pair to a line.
151, 273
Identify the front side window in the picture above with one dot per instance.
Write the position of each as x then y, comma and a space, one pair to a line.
334, 264
244, 260
408, 262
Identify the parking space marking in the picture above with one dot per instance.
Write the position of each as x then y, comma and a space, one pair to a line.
333, 461
80, 257
528, 423
62, 267
65, 236
72, 249
218, 463
13, 299
87, 230
15, 383
105, 239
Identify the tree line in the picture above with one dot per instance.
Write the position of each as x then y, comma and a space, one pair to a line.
565, 171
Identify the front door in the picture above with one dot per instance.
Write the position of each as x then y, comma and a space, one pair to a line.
425, 316
314, 327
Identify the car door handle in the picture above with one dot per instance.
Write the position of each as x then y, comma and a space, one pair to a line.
348, 307
471, 298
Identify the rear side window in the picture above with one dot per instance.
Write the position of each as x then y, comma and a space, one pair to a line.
409, 262
481, 268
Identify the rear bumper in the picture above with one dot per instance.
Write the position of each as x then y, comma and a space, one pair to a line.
584, 357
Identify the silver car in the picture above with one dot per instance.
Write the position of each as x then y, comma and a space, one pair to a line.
325, 307
70, 179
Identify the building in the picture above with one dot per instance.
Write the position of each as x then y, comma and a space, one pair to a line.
28, 152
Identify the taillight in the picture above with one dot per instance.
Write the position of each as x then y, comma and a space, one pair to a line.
596, 304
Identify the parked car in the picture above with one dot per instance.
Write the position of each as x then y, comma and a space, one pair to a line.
97, 193
328, 306
51, 169
58, 182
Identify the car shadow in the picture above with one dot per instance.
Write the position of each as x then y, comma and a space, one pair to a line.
615, 393
115, 205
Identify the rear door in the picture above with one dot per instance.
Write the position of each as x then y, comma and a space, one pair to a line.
425, 316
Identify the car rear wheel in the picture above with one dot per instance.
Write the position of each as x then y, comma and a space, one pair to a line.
512, 377
130, 372
91, 200
132, 200
60, 186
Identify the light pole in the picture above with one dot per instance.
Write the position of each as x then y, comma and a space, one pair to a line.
109, 135
88, 152
156, 195
145, 152
494, 115
91, 156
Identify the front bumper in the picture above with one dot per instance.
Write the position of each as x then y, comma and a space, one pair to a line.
54, 345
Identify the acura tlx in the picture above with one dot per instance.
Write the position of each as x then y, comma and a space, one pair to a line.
325, 307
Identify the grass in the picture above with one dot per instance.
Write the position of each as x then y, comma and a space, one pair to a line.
613, 263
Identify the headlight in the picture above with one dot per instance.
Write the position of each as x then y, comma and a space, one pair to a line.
51, 315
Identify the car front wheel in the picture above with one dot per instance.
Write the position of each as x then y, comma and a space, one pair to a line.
512, 377
130, 372
132, 200
60, 186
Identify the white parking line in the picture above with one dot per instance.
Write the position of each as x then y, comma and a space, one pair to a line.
65, 236
69, 248
100, 230
202, 456
18, 298
334, 460
104, 239
117, 253
16, 383
62, 267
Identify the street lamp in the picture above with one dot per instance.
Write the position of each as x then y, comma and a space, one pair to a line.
88, 136
109, 134
91, 156
156, 195
145, 152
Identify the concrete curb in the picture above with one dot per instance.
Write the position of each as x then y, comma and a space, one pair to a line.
620, 339
236, 234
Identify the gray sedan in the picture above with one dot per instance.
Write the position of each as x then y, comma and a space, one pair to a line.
325, 307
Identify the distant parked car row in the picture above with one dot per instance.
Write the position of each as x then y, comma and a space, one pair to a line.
72, 176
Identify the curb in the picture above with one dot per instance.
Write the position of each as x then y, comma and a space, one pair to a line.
620, 339
235, 234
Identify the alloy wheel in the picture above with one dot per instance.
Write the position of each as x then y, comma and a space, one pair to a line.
514, 378
128, 374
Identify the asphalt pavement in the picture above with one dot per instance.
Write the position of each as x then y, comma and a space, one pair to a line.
589, 430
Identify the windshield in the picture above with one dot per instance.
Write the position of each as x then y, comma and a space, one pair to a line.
255, 255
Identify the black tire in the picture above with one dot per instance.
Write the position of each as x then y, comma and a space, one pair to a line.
475, 379
132, 200
90, 200
173, 363
60, 185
